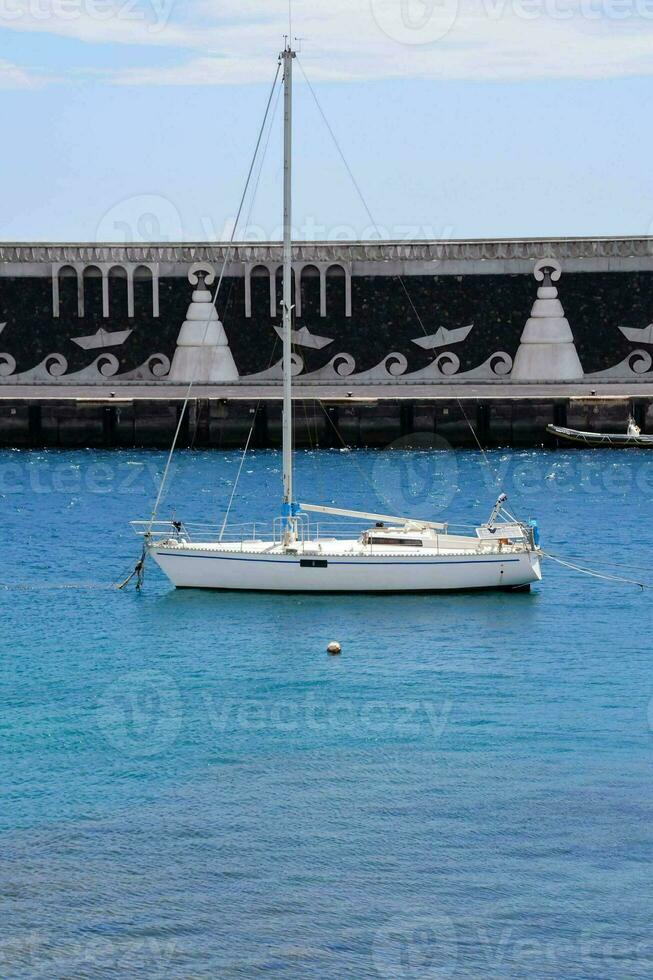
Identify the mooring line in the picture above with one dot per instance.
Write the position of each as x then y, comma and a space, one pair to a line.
58, 587
594, 574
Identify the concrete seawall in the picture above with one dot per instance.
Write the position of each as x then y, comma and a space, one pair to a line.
398, 314
147, 417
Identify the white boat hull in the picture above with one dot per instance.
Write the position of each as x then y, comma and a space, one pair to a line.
192, 568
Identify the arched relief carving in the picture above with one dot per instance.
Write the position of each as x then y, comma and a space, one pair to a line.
94, 272
309, 270
143, 271
339, 270
260, 270
254, 268
119, 295
85, 270
66, 270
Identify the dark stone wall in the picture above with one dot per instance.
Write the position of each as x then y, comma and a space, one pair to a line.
384, 318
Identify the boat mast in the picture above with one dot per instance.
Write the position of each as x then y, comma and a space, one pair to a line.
289, 509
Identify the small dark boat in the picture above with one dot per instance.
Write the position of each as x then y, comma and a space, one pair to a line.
630, 440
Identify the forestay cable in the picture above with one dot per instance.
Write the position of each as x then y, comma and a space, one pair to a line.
355, 183
363, 200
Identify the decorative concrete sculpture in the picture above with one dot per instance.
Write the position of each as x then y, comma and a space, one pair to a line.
203, 354
638, 336
102, 339
547, 351
444, 337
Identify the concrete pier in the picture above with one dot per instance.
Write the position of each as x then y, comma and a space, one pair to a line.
326, 417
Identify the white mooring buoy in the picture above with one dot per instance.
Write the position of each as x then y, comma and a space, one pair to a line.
334, 649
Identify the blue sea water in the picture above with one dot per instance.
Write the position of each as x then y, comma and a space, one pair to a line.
191, 788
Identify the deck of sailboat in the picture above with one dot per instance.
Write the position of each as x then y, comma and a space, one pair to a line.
339, 548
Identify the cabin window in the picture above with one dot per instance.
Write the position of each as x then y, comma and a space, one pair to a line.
398, 542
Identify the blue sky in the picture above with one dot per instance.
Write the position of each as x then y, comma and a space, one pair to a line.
135, 119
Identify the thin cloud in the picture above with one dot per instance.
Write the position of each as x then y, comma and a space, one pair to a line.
15, 77
233, 42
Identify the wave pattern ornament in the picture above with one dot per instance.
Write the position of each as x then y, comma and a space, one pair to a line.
158, 365
445, 365
275, 373
339, 367
56, 365
51, 368
7, 365
103, 367
500, 364
389, 369
396, 365
155, 368
497, 368
108, 365
637, 364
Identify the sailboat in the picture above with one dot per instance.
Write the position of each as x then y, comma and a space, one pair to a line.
301, 554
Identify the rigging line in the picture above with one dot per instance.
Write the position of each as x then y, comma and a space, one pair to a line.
486, 458
377, 490
247, 444
215, 299
238, 474
594, 574
356, 185
400, 278
263, 156
258, 404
